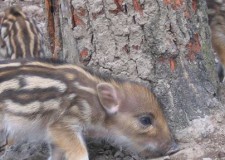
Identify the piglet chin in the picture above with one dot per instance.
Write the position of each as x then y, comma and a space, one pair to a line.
149, 154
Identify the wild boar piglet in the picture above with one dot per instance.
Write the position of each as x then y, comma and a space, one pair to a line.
62, 103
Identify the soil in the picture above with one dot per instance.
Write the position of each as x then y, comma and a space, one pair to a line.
203, 139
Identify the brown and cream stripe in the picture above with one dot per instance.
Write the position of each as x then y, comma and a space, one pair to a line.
19, 35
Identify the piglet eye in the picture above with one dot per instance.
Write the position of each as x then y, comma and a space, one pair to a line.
146, 120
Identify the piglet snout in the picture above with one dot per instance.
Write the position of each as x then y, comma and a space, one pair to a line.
173, 149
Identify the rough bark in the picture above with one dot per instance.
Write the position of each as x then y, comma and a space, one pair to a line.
163, 44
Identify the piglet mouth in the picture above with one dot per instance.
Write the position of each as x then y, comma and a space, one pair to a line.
174, 149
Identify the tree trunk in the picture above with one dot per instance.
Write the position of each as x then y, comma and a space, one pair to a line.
163, 44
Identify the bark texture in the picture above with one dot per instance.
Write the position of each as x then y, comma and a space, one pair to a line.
162, 43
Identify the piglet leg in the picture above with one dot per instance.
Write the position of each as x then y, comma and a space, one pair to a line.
68, 141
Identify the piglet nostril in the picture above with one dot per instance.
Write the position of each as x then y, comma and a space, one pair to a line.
173, 149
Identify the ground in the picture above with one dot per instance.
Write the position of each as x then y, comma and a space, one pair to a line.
203, 139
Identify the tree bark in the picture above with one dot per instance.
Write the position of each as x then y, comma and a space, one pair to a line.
162, 43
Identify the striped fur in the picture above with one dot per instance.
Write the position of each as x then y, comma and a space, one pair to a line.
19, 35
60, 103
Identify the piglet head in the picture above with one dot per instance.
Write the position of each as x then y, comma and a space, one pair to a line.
135, 120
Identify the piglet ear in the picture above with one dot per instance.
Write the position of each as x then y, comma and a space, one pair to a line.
108, 97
